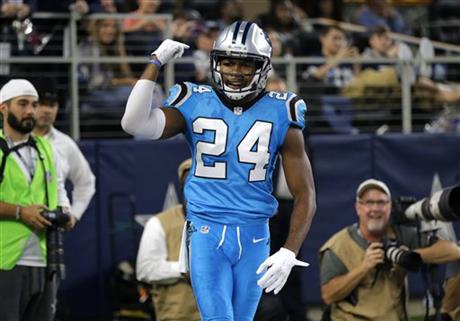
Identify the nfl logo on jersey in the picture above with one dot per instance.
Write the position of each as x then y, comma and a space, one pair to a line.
237, 110
204, 229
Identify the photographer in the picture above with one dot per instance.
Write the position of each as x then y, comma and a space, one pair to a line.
158, 260
30, 187
73, 163
359, 276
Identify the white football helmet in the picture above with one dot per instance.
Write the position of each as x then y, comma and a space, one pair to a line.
242, 40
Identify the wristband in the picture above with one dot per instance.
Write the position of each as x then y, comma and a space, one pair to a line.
156, 62
18, 213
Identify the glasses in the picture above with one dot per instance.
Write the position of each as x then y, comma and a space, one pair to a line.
371, 203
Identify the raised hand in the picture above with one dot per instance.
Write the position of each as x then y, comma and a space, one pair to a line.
168, 50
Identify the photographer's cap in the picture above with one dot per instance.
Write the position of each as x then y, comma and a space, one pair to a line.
372, 183
15, 88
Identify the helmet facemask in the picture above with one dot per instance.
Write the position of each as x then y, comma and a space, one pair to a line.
251, 88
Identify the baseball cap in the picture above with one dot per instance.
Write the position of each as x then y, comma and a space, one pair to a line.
47, 90
372, 183
15, 88
183, 167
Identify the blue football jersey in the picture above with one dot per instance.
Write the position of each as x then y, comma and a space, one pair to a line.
234, 151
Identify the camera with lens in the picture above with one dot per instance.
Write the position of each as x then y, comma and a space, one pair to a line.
443, 205
57, 217
55, 242
395, 254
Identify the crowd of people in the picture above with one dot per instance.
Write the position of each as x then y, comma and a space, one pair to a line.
295, 29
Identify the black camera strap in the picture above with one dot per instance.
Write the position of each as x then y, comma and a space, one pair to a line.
433, 285
6, 151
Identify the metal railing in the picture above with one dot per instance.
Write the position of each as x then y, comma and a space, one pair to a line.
292, 67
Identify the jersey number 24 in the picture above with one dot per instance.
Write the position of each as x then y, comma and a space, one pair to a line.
252, 149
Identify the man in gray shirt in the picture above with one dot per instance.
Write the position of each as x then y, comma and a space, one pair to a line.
356, 279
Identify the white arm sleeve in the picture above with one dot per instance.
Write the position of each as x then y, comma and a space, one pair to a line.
140, 119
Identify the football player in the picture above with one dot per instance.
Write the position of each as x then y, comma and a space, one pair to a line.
235, 130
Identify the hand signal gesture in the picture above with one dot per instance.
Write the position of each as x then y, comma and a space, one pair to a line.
168, 50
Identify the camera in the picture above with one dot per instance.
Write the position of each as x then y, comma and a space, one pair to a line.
55, 242
408, 259
443, 205
394, 254
56, 217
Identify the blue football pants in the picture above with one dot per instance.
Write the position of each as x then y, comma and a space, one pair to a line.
223, 264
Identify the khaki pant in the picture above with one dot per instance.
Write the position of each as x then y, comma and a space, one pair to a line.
451, 300
385, 77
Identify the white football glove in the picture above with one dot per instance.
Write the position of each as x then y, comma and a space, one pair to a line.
169, 49
279, 267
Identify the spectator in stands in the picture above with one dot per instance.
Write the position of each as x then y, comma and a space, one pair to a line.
79, 6
330, 9
380, 13
137, 23
204, 42
283, 16
141, 33
228, 11
25, 35
282, 46
382, 46
186, 25
105, 85
104, 6
287, 19
22, 9
334, 47
48, 37
13, 41
355, 280
379, 74
277, 44
75, 167
158, 260
15, 9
